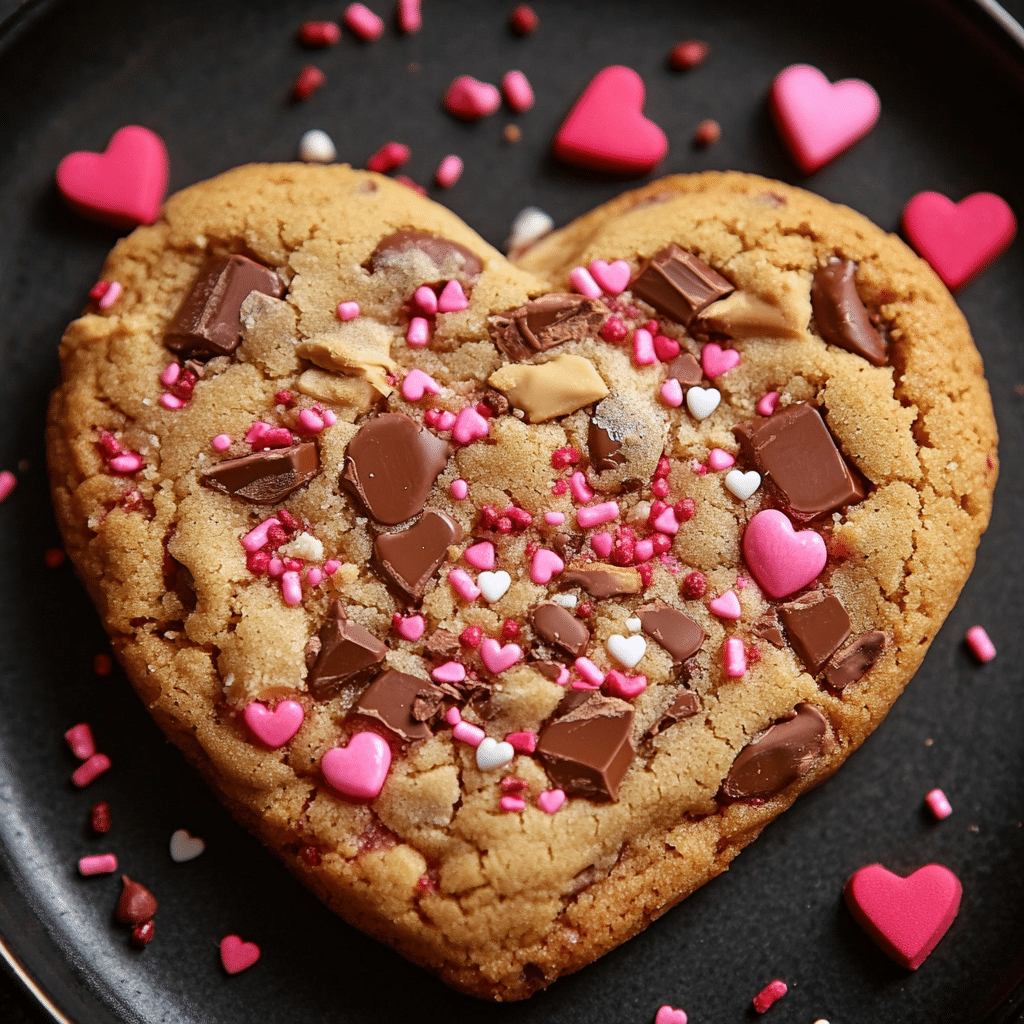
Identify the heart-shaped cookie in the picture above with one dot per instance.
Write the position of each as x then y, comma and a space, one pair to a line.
540, 559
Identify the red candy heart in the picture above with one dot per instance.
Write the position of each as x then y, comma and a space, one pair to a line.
123, 186
958, 239
607, 130
906, 917
237, 955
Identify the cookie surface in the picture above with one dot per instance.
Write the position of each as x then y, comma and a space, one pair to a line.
729, 684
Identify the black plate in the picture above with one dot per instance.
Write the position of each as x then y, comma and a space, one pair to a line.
213, 79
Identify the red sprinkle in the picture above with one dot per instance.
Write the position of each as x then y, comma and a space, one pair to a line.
523, 20
664, 468
90, 770
688, 54
559, 487
79, 739
511, 784
283, 397
389, 157
660, 488
257, 562
708, 133
142, 934
409, 183
426, 884
53, 557
584, 609
99, 817
614, 330
311, 855
646, 571
771, 993
318, 34
288, 520
662, 543
567, 456
110, 445
509, 629
103, 664
309, 80
695, 585
471, 636
685, 509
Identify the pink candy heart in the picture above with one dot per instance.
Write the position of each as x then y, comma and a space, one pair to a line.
480, 556
618, 684
906, 917
818, 120
470, 426
670, 1015
959, 239
237, 955
550, 800
545, 565
358, 770
471, 99
781, 559
497, 658
123, 186
607, 130
716, 360
612, 277
727, 606
274, 728
409, 628
417, 384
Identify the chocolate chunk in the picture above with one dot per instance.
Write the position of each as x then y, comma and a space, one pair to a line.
348, 654
442, 645
783, 753
136, 905
548, 669
767, 628
207, 322
588, 747
678, 284
266, 477
685, 369
794, 451
496, 402
427, 706
449, 258
685, 705
603, 580
560, 627
604, 450
410, 558
548, 321
816, 625
616, 434
391, 464
840, 314
673, 629
849, 664
390, 699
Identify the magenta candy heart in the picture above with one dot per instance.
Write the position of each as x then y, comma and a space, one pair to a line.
716, 360
417, 384
358, 770
237, 955
817, 119
906, 917
497, 658
670, 1015
274, 728
618, 684
550, 800
124, 185
411, 627
545, 565
612, 277
607, 130
471, 99
959, 239
781, 559
470, 426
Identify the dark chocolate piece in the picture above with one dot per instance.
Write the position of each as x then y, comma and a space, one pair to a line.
783, 753
207, 324
390, 699
849, 664
450, 258
136, 905
795, 452
678, 284
840, 314
348, 654
767, 628
685, 369
685, 705
558, 626
603, 580
409, 559
673, 629
266, 477
544, 323
391, 465
588, 747
816, 625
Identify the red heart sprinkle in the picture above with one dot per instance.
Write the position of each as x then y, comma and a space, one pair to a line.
237, 955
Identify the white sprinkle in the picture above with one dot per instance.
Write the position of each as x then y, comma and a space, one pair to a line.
316, 147
304, 546
531, 224
565, 600
633, 625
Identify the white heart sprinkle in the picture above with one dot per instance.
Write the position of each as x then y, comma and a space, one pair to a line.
493, 585
316, 147
633, 625
627, 651
702, 402
742, 484
491, 754
565, 600
185, 847
528, 226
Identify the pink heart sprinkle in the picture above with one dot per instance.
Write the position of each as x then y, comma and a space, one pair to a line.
672, 393
452, 298
667, 522
550, 800
818, 120
417, 384
717, 360
480, 556
524, 742
612, 277
274, 728
410, 628
449, 672
471, 99
545, 565
602, 544
670, 1015
497, 658
719, 458
237, 955
470, 426
727, 606
906, 917
618, 684
782, 559
358, 770
959, 239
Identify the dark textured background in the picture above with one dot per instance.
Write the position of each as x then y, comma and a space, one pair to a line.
212, 79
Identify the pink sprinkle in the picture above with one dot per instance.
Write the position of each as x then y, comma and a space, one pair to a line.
310, 422
449, 672
471, 99
319, 34
459, 489
545, 565
331, 566
452, 298
698, 467
766, 407
389, 157
309, 79
595, 515
348, 310
449, 171
735, 658
978, 641
523, 20
583, 281
446, 420
426, 299
410, 19
418, 333
314, 576
330, 417
517, 90
417, 384
453, 716
221, 443
129, 462
771, 993
480, 556
98, 864
464, 732
363, 22
589, 671
718, 458
618, 684
291, 588
257, 432
602, 544
659, 488
8, 481
643, 347
80, 740
614, 330
580, 684
726, 606
938, 804
257, 537
110, 296
273, 437
667, 522
644, 550
276, 567
91, 769
581, 490
672, 393
169, 401
554, 518
665, 348
462, 583
470, 426
513, 784
410, 184
170, 374
512, 803
524, 742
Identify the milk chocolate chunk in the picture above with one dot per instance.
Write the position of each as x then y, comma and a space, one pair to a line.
558, 626
685, 705
409, 559
685, 369
588, 747
794, 451
548, 321
207, 322
678, 284
850, 663
348, 654
449, 258
391, 465
390, 699
603, 580
604, 450
767, 628
673, 629
266, 477
816, 625
783, 753
840, 314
